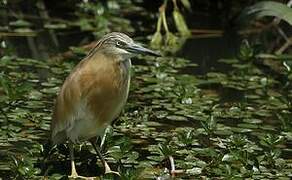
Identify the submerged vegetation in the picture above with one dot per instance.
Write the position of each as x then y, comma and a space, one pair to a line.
232, 122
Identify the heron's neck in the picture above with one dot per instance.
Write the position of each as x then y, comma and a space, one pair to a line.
125, 65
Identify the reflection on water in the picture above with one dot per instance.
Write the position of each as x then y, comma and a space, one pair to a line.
206, 51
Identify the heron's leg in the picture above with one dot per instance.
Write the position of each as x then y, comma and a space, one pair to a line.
102, 139
107, 168
73, 169
74, 174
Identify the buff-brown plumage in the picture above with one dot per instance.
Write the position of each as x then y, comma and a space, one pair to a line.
94, 93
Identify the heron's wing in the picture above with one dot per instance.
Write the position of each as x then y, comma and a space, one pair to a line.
64, 114
81, 93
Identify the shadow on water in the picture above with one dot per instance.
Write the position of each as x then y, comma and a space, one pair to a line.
207, 51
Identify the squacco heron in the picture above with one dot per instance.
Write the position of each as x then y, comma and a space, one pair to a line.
94, 93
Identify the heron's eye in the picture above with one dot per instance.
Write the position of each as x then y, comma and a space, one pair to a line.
120, 43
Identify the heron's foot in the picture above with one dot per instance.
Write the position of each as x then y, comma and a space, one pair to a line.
113, 172
76, 176
109, 171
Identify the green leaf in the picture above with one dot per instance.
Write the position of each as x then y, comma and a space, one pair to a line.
187, 4
267, 8
171, 39
20, 23
156, 40
180, 23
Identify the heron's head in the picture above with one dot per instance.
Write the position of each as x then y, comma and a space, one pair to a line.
119, 44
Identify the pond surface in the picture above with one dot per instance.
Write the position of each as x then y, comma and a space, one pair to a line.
226, 118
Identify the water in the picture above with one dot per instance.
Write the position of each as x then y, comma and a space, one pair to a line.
223, 119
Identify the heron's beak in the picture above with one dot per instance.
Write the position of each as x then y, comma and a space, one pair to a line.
138, 49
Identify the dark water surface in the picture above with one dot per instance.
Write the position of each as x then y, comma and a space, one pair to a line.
216, 119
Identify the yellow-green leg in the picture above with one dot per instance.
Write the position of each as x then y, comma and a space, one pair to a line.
107, 169
74, 174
